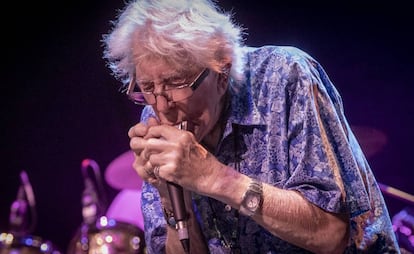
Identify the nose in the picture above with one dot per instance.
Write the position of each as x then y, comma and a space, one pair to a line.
162, 103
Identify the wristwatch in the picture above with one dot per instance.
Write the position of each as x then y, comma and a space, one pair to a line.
252, 199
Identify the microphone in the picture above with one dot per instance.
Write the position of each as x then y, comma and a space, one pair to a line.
177, 200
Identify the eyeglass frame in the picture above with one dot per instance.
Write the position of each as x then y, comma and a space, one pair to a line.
142, 101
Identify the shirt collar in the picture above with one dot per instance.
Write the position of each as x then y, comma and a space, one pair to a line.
243, 109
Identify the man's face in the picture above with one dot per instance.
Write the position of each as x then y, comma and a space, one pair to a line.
202, 109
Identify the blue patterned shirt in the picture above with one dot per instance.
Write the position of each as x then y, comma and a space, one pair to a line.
285, 126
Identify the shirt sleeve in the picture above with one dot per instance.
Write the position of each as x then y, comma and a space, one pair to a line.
325, 161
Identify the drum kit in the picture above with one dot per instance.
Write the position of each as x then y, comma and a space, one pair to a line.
114, 229
119, 228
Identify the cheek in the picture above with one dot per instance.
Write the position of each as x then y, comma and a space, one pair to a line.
204, 102
198, 108
201, 109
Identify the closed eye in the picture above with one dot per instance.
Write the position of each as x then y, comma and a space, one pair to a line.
174, 82
145, 86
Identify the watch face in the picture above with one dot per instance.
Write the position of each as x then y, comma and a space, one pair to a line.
253, 202
252, 199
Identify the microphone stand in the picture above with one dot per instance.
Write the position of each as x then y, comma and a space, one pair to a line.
19, 218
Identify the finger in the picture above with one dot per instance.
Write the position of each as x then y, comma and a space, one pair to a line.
168, 160
138, 130
137, 144
153, 176
146, 153
148, 172
141, 142
151, 146
152, 122
157, 172
168, 132
140, 166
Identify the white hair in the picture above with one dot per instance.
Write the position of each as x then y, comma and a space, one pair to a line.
183, 32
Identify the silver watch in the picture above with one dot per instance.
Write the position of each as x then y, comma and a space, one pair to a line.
252, 200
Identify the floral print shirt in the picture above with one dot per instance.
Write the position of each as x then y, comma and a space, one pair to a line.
285, 126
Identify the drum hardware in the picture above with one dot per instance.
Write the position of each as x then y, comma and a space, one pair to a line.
403, 224
92, 200
99, 234
403, 221
19, 220
396, 193
20, 239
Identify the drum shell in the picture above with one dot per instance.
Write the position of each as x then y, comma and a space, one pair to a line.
14, 244
111, 237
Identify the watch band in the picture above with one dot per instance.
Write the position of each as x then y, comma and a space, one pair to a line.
252, 199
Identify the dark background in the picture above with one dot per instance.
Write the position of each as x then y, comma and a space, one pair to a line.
60, 104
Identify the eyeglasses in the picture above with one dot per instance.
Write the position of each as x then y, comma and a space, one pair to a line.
172, 92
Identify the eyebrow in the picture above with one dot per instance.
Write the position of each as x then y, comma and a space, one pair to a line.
167, 76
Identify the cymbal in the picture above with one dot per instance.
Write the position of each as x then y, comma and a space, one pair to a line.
371, 140
126, 207
121, 175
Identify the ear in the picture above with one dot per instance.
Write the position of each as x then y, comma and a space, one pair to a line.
223, 79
